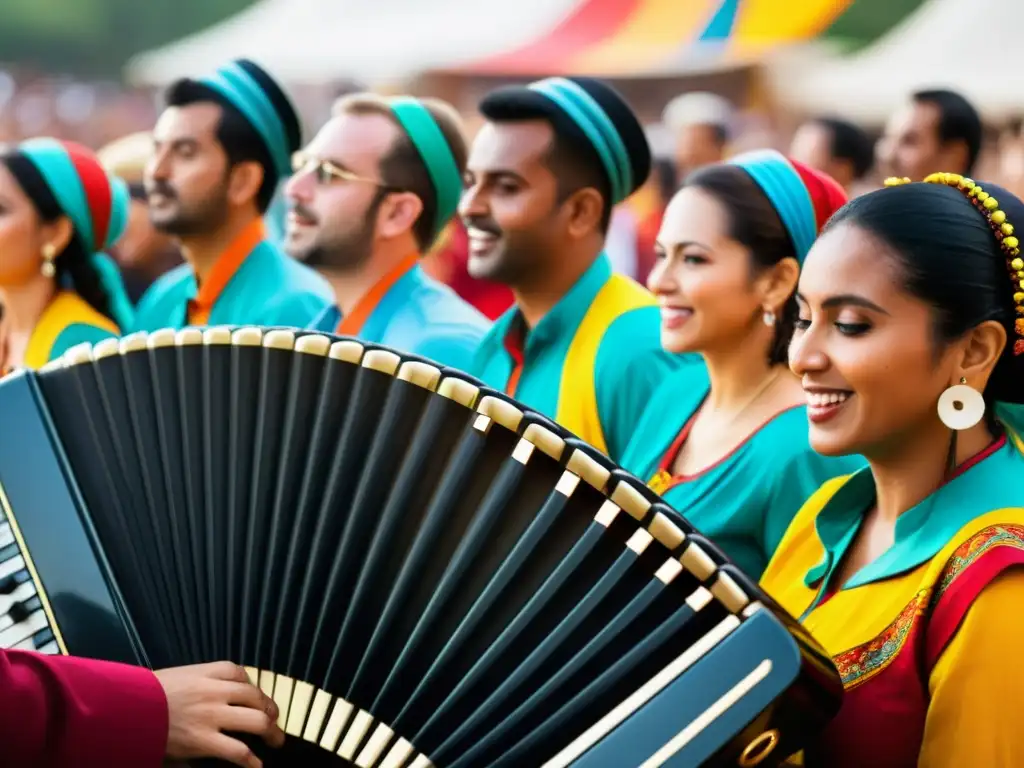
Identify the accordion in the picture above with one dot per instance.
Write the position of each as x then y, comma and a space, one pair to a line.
419, 570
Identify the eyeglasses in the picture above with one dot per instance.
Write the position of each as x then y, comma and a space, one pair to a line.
326, 172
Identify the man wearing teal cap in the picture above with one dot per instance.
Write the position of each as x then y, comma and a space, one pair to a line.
221, 147
581, 344
369, 196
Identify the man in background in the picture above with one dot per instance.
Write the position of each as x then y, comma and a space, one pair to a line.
369, 197
700, 125
937, 130
582, 345
836, 147
221, 146
143, 253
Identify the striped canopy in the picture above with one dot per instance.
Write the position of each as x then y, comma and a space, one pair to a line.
644, 37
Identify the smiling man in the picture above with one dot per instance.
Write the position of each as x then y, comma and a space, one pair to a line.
369, 196
581, 344
221, 146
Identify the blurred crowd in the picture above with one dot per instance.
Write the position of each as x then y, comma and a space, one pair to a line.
935, 128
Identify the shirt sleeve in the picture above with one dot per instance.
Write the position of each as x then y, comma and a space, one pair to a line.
977, 690
299, 310
326, 321
631, 364
452, 349
60, 711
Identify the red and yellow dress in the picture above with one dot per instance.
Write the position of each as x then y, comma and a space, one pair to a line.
927, 637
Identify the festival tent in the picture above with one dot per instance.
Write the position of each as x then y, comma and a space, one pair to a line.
971, 46
258, 32
318, 41
658, 38
321, 41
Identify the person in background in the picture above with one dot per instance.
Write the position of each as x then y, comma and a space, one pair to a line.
910, 572
937, 130
220, 148
622, 241
58, 711
369, 196
143, 253
58, 209
726, 442
649, 204
1011, 156
836, 147
581, 343
700, 124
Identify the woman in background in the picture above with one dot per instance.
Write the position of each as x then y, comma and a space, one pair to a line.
910, 347
725, 443
57, 209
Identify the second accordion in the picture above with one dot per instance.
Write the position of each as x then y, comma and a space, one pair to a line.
419, 570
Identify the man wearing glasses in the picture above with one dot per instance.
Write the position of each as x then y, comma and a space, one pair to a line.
367, 199
221, 147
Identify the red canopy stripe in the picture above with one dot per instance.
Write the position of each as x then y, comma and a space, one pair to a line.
588, 24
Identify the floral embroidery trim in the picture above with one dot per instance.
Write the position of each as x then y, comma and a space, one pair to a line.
976, 546
859, 664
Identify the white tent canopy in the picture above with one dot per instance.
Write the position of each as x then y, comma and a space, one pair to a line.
319, 41
970, 46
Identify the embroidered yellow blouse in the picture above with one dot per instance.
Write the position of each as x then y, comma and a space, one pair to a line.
927, 638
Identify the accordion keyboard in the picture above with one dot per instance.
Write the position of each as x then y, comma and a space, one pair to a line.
23, 623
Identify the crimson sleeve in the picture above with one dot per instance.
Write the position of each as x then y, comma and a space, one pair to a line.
59, 711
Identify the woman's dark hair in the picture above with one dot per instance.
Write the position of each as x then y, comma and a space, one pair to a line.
73, 262
949, 258
754, 224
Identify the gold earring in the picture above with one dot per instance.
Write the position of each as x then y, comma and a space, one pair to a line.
48, 268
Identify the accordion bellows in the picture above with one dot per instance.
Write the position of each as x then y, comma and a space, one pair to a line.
419, 570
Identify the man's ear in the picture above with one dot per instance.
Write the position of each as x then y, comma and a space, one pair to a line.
244, 183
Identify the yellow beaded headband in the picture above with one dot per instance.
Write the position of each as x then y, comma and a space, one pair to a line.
1001, 228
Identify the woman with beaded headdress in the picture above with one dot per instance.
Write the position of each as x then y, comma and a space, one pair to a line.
725, 442
910, 347
58, 211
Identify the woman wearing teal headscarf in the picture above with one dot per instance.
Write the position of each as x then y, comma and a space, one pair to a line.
725, 443
58, 211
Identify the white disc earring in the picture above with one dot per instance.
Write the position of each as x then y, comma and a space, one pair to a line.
769, 318
961, 406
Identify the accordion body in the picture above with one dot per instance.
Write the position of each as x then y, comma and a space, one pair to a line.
420, 571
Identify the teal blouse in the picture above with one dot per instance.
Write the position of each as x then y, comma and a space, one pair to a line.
745, 501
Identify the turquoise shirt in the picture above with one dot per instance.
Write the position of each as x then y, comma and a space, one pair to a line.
268, 288
591, 363
745, 501
420, 316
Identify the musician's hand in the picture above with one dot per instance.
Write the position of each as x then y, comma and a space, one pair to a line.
205, 700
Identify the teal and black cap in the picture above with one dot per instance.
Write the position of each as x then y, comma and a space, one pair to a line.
587, 112
246, 88
436, 154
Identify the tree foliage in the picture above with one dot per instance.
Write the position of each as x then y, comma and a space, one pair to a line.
96, 37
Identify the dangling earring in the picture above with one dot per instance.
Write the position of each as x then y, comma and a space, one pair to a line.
769, 318
49, 254
961, 406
